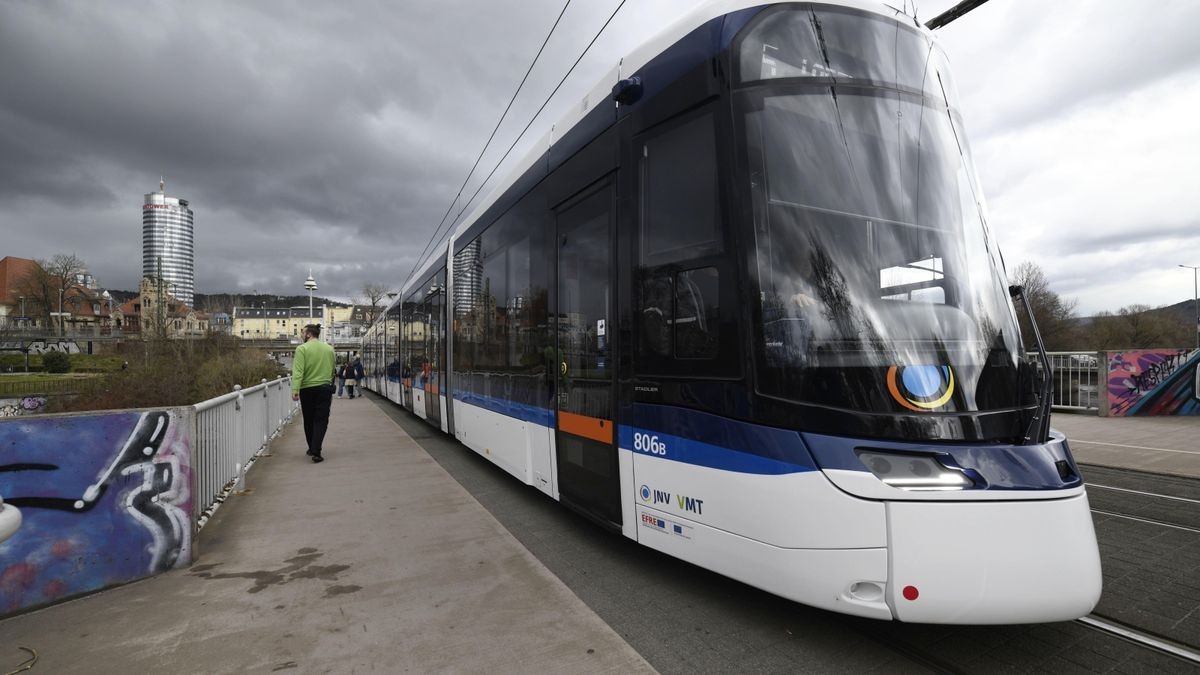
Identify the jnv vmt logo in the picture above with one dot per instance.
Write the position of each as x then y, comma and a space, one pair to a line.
682, 502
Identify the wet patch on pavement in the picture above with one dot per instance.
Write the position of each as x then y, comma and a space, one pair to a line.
341, 590
297, 567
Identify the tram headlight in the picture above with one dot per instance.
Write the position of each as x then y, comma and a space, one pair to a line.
913, 472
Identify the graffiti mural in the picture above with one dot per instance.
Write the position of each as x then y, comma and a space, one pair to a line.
1154, 382
11, 407
42, 346
105, 498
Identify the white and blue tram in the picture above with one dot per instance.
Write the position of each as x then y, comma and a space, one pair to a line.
743, 307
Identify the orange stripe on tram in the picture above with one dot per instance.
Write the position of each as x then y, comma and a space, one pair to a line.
589, 427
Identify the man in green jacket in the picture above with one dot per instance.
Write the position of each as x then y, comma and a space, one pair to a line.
312, 385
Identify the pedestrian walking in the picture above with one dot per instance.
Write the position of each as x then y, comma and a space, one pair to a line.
351, 379
312, 385
341, 377
359, 375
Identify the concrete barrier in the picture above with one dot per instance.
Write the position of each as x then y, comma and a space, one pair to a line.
1147, 382
106, 499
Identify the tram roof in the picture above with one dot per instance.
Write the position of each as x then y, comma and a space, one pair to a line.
601, 92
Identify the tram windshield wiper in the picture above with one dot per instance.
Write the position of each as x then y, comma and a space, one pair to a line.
1039, 426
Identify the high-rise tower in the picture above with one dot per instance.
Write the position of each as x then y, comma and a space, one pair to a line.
167, 235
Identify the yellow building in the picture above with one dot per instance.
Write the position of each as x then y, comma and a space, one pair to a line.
274, 323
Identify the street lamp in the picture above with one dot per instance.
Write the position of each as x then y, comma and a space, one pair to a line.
24, 320
1195, 299
310, 285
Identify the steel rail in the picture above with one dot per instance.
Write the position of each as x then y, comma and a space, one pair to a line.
1135, 447
1144, 639
1140, 492
1185, 528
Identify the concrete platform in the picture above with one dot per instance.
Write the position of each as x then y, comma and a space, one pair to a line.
374, 561
1166, 445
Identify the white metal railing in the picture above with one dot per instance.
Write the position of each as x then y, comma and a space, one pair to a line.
231, 431
1078, 380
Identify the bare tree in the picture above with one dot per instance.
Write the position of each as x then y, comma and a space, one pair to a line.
41, 285
36, 286
1055, 315
372, 305
213, 304
1137, 327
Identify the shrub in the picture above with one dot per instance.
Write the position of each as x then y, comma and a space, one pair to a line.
218, 375
173, 373
56, 362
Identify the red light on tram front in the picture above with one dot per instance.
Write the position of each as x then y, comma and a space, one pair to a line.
910, 592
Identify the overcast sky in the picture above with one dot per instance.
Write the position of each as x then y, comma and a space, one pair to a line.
334, 137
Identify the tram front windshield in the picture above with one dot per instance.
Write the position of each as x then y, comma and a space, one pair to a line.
872, 255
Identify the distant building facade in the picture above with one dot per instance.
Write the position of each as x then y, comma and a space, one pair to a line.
167, 235
30, 299
274, 323
220, 322
156, 313
338, 323
14, 310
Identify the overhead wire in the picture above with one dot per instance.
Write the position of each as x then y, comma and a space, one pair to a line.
539, 111
421, 258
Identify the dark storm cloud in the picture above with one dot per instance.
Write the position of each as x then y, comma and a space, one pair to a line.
303, 135
334, 135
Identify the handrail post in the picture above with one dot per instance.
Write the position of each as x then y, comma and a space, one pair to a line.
240, 436
266, 423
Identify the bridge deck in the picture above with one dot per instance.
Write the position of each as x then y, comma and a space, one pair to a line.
375, 560
1167, 445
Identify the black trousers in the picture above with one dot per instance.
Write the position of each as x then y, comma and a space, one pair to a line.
314, 406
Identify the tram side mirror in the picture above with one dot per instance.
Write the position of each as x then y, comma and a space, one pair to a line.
627, 91
1016, 291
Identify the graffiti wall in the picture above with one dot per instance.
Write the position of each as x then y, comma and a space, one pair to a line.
42, 346
11, 407
1154, 382
105, 499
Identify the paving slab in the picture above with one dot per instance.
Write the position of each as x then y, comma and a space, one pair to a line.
1167, 445
374, 561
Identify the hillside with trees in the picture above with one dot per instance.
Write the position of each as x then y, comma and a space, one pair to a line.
1135, 326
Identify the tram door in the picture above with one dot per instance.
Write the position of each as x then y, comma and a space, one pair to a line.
588, 477
434, 353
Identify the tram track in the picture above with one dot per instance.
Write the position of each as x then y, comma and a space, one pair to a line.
1142, 492
629, 586
1166, 501
1147, 520
1147, 526
1147, 640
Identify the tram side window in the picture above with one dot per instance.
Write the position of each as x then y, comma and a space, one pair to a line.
680, 209
696, 316
680, 235
680, 314
467, 320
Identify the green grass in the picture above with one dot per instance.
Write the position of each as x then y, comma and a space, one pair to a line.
43, 377
80, 363
21, 384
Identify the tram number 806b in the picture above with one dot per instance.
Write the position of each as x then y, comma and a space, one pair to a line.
649, 444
